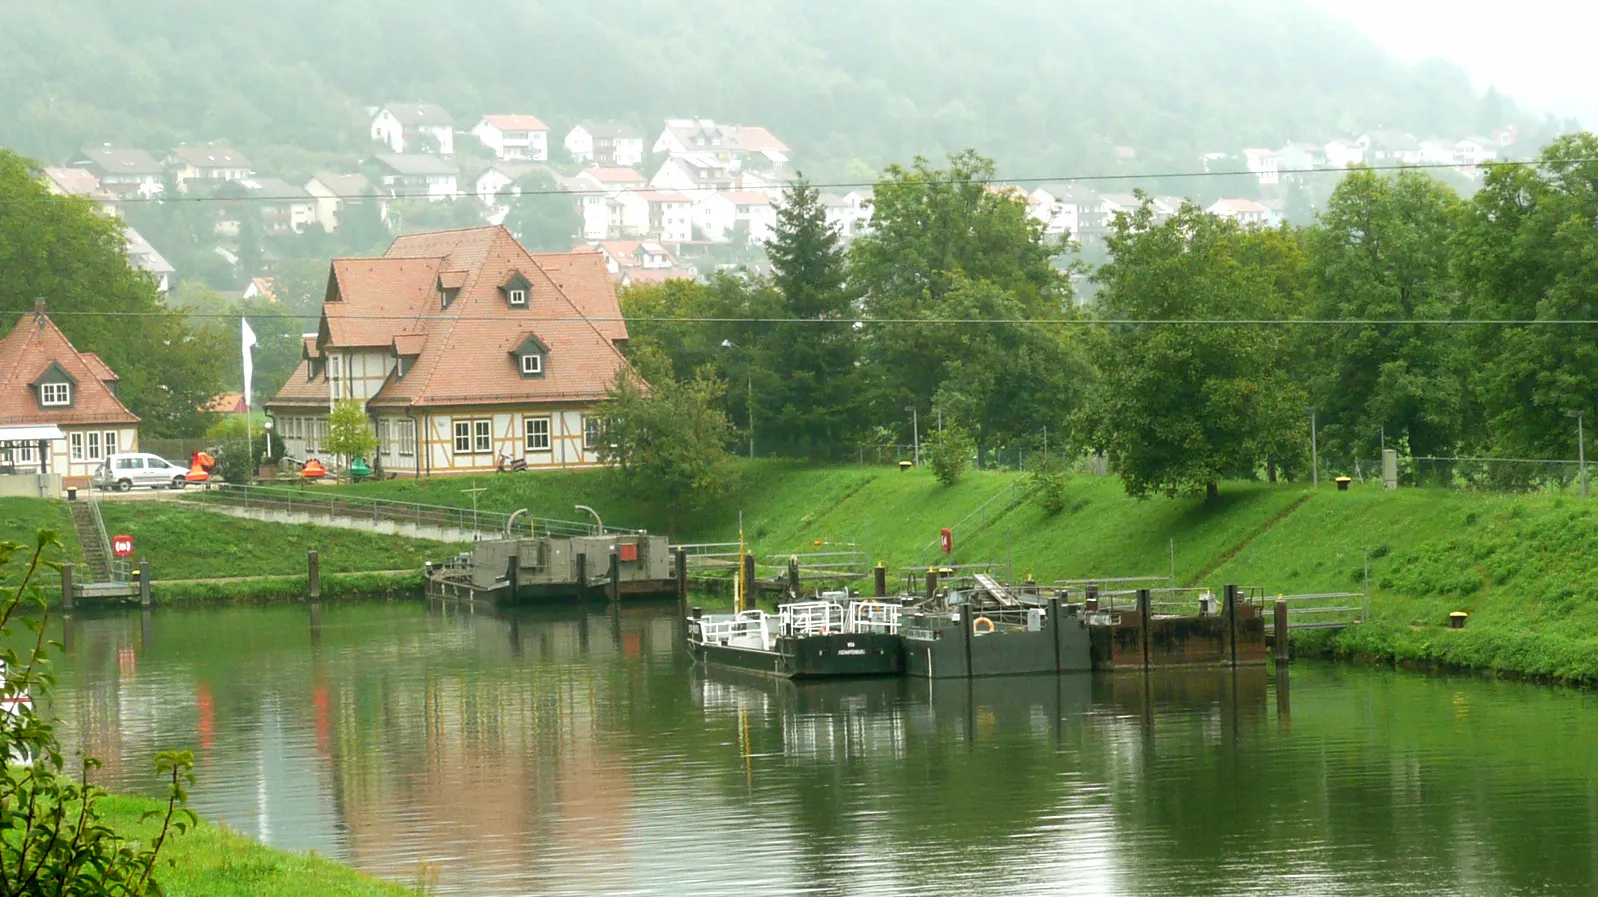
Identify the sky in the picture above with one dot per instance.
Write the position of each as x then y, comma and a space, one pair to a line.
1533, 50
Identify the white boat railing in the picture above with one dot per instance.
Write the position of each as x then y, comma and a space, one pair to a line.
874, 617
811, 618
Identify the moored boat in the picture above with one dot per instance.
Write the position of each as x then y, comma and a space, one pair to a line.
818, 639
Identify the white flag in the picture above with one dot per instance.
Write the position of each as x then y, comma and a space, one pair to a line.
249, 367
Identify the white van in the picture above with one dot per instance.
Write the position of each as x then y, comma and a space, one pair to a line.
124, 471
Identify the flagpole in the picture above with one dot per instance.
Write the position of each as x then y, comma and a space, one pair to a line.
246, 341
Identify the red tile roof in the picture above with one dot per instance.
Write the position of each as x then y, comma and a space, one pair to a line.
754, 139
516, 122
29, 350
615, 175
227, 403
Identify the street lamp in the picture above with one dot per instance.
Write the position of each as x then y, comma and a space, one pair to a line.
267, 425
749, 383
1581, 449
915, 431
1314, 451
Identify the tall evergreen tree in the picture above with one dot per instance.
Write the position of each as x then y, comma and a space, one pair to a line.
811, 362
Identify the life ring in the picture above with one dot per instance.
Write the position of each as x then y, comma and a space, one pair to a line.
979, 621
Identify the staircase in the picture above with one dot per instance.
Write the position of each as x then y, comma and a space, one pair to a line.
96, 554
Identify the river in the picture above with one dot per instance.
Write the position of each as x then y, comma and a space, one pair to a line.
580, 752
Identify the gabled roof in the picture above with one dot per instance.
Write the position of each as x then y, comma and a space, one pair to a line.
120, 160
73, 181
755, 139
747, 198
274, 189
413, 115
610, 129
661, 195
614, 175
32, 347
345, 186
1237, 207
415, 164
144, 256
516, 122
210, 157
463, 349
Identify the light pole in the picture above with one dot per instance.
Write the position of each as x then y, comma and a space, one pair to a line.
749, 384
915, 431
1581, 450
1314, 452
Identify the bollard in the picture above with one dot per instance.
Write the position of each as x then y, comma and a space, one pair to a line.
1280, 621
1143, 614
967, 624
144, 582
1090, 601
932, 584
682, 573
696, 612
313, 573
1229, 609
1054, 630
66, 587
615, 576
880, 574
316, 623
1456, 620
793, 577
751, 591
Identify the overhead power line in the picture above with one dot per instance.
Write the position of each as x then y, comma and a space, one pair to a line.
836, 185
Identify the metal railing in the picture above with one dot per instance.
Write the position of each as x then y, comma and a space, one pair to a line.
1325, 610
120, 570
315, 502
1010, 496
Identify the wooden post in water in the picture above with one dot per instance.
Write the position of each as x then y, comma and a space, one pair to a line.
967, 622
615, 576
66, 587
1283, 654
751, 592
313, 572
144, 582
1054, 630
880, 574
682, 573
1230, 610
932, 584
1143, 616
582, 574
793, 576
1090, 601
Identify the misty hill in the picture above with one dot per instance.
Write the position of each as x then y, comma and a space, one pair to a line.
1046, 86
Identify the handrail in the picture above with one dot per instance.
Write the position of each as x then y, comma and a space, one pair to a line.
118, 570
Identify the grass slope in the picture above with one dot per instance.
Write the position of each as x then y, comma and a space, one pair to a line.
21, 518
212, 861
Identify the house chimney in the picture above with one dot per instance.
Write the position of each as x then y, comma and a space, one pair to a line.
38, 309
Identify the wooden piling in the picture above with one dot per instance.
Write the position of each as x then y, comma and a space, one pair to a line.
1144, 615
615, 576
967, 624
682, 573
880, 574
66, 587
1054, 629
144, 582
1229, 609
1283, 654
313, 572
793, 577
1090, 602
582, 574
751, 590
932, 584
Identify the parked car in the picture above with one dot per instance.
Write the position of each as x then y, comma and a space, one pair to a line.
128, 469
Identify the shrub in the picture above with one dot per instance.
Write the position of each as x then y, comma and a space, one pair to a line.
949, 451
1048, 480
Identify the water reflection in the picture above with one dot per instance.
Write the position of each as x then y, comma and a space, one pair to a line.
576, 751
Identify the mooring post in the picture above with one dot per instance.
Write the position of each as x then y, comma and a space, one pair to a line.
313, 573
615, 576
144, 582
751, 592
1143, 617
1090, 600
932, 584
1230, 610
682, 573
880, 574
582, 574
967, 623
66, 587
316, 623
1280, 621
1054, 629
793, 576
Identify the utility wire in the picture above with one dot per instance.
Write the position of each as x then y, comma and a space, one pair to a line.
840, 185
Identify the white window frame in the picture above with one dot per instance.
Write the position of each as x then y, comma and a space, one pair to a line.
531, 434
75, 446
382, 437
482, 437
55, 395
517, 297
537, 366
110, 441
94, 446
463, 437
407, 438
593, 432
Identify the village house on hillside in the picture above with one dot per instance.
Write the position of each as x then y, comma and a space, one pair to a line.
59, 410
521, 137
121, 171
207, 163
414, 128
333, 193
733, 145
415, 177
607, 144
467, 351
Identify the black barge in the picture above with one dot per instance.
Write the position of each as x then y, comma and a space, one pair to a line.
823, 639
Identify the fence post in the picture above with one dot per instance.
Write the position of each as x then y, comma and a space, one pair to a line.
313, 571
66, 587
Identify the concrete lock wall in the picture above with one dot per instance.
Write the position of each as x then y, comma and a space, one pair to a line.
30, 485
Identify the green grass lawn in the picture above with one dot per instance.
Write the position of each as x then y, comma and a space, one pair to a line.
184, 542
213, 861
22, 518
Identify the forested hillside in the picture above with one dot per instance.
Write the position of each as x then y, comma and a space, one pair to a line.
1046, 86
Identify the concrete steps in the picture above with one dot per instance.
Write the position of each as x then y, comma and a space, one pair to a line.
97, 564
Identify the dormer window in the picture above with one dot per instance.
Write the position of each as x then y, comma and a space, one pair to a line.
55, 395
532, 364
517, 296
529, 357
516, 289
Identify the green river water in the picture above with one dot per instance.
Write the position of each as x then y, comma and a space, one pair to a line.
581, 752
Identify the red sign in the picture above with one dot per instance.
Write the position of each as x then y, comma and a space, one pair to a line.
122, 546
627, 551
946, 536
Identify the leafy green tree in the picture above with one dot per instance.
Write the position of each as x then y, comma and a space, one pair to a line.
62, 250
1527, 252
349, 432
542, 218
1179, 407
668, 440
361, 229
1381, 252
949, 452
811, 363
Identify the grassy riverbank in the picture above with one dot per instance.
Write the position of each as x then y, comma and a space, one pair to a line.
1517, 563
212, 861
